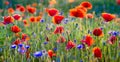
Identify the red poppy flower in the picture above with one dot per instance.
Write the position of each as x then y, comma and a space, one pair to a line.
61, 39
25, 23
88, 40
21, 9
8, 20
50, 53
15, 29
59, 30
52, 12
112, 39
81, 7
108, 17
97, 32
86, 4
38, 18
10, 10
97, 52
57, 19
25, 37
70, 45
80, 13
31, 10
17, 42
32, 19
118, 2
17, 17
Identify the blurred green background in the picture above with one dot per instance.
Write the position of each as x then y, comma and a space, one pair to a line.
98, 5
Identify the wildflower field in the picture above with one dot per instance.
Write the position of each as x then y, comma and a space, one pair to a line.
59, 31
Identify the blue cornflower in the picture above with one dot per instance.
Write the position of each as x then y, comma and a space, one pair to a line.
21, 50
13, 46
42, 20
27, 46
20, 45
80, 46
45, 42
115, 33
66, 21
55, 49
37, 54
